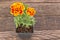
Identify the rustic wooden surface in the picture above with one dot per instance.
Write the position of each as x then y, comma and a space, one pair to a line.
37, 35
47, 25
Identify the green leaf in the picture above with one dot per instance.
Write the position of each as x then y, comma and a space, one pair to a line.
24, 19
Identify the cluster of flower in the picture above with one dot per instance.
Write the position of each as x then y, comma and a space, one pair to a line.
18, 8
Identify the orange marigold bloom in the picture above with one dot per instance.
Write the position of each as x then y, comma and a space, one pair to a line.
31, 11
17, 8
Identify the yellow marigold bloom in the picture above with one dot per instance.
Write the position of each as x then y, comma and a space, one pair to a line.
17, 8
31, 11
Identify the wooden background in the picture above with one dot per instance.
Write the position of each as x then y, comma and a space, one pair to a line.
47, 16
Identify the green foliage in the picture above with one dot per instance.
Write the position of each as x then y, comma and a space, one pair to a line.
24, 19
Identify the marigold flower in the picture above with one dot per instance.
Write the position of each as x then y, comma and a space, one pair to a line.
17, 8
30, 11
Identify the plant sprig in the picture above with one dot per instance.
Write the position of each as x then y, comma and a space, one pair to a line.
22, 14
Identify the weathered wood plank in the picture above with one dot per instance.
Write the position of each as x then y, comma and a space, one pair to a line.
32, 0
37, 35
23, 0
47, 17
52, 22
43, 22
6, 24
6, 36
41, 8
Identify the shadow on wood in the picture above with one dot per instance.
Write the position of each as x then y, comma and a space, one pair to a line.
25, 35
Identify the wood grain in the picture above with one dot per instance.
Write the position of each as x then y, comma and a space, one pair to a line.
47, 25
33, 0
47, 16
37, 35
41, 8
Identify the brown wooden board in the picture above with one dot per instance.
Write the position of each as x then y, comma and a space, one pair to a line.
37, 35
47, 20
33, 0
41, 8
47, 16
